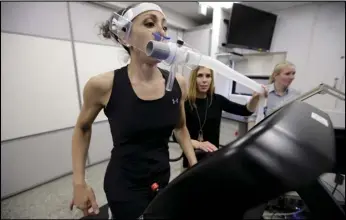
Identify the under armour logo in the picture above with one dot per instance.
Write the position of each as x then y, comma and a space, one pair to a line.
175, 101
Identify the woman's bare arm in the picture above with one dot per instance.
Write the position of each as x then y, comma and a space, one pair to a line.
94, 94
181, 132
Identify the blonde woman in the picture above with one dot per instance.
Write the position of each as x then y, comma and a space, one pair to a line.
279, 91
203, 109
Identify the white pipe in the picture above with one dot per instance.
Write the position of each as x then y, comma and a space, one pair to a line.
223, 69
173, 55
229, 73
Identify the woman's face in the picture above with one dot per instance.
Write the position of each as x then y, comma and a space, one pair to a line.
143, 27
204, 77
286, 76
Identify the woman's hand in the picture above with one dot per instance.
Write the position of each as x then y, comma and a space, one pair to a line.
84, 199
205, 146
252, 104
257, 95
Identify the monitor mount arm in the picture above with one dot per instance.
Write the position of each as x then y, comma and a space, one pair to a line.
321, 89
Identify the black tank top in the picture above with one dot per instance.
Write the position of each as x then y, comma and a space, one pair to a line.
140, 131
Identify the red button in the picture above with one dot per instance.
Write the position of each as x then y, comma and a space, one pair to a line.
154, 186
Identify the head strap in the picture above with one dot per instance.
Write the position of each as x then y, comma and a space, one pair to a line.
143, 7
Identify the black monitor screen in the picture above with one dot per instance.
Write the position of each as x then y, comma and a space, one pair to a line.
251, 28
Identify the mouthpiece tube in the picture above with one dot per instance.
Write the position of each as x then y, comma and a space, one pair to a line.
158, 50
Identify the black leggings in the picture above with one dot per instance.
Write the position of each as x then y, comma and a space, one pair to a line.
127, 202
128, 210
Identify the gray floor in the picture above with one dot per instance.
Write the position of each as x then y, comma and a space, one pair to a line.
52, 200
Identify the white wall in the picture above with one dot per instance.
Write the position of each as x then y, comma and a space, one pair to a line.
32, 97
314, 37
199, 38
259, 64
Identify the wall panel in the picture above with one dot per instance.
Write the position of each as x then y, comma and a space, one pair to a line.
30, 161
48, 19
38, 86
86, 19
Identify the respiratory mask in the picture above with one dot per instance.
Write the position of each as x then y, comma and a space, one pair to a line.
121, 26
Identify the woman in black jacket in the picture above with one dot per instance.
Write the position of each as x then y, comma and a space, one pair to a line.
203, 109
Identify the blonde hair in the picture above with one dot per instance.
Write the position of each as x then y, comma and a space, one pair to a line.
192, 93
278, 68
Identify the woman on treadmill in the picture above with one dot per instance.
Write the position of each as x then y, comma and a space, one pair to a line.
203, 109
142, 116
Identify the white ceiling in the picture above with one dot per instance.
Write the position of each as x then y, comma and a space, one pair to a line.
190, 9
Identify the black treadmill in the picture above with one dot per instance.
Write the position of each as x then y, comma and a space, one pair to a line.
287, 151
339, 166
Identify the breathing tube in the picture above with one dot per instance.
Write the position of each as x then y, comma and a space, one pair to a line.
174, 54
